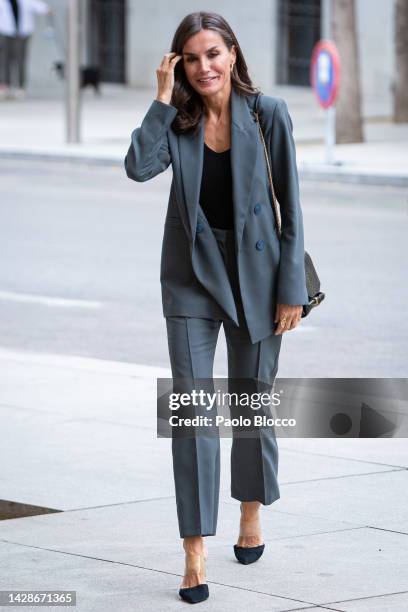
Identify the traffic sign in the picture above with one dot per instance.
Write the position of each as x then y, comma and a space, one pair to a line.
325, 72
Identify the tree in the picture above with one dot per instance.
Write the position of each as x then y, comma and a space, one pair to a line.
400, 86
349, 123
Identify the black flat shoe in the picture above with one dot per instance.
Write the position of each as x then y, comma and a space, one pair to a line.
200, 592
195, 594
248, 554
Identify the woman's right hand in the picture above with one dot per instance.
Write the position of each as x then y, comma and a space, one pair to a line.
165, 77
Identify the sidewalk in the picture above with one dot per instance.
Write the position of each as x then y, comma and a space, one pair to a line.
79, 438
36, 128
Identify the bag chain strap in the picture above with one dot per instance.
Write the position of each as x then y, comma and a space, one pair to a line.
275, 204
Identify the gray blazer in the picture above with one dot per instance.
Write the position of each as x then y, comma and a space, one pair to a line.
193, 277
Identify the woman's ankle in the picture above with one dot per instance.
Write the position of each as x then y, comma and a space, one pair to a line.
250, 510
195, 555
194, 544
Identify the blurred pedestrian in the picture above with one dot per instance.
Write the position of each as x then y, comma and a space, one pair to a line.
16, 28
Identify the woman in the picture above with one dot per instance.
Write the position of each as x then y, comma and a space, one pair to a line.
222, 262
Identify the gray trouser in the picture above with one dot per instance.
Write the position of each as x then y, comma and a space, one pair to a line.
13, 54
196, 460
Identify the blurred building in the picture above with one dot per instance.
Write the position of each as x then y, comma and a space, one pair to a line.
127, 39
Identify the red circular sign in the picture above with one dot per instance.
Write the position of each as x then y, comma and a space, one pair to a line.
325, 72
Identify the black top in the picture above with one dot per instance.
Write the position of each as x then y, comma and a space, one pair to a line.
216, 189
14, 6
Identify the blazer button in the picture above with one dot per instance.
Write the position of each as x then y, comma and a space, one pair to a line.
260, 245
200, 228
257, 208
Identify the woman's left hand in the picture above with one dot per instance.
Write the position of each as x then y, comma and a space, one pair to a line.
287, 317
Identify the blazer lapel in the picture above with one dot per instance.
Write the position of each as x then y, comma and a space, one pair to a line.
191, 148
244, 150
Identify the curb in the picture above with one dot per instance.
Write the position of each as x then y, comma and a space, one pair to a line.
63, 158
306, 172
317, 173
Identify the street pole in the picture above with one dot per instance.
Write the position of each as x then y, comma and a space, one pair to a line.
330, 138
72, 73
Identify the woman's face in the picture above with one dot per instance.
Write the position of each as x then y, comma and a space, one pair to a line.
207, 62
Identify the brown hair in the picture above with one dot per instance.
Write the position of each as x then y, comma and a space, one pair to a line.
184, 97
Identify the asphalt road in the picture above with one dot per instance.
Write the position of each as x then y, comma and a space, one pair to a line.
79, 275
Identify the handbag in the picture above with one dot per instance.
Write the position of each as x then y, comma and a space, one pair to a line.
312, 280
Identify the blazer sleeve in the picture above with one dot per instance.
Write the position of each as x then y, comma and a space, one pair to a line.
149, 152
292, 279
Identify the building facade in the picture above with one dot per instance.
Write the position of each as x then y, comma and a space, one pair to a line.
128, 38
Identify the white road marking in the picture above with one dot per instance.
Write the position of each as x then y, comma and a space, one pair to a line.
48, 300
56, 360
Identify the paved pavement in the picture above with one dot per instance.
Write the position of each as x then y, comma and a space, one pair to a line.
36, 127
79, 438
